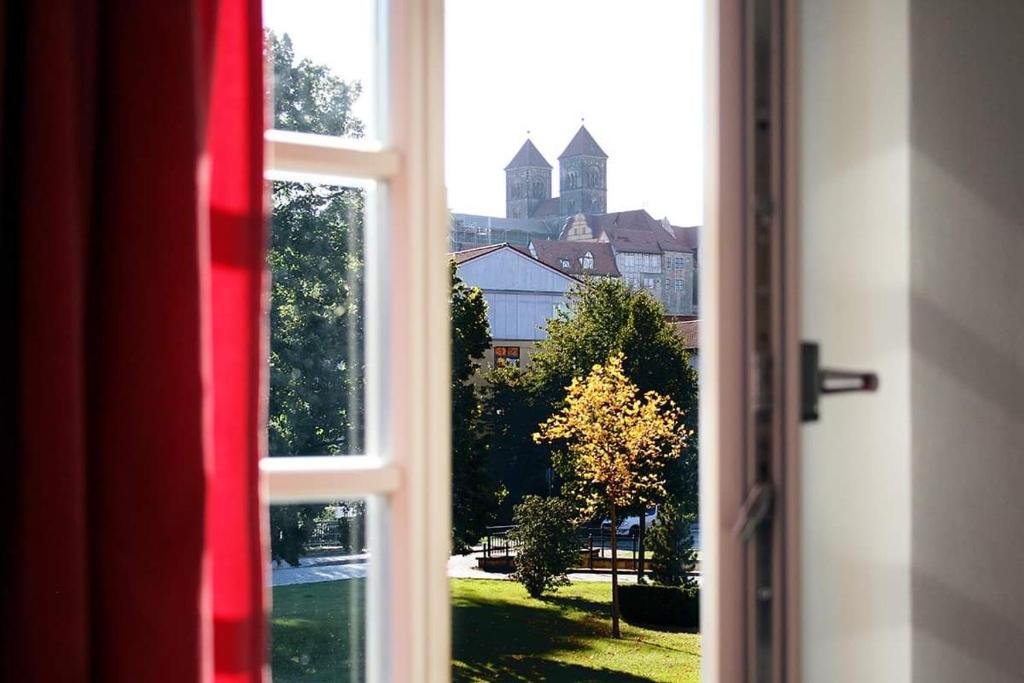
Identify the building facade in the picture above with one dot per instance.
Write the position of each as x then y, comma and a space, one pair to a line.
522, 294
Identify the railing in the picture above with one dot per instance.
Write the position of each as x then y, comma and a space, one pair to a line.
496, 542
594, 541
346, 533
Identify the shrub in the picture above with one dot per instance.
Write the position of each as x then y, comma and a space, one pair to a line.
661, 605
671, 546
547, 544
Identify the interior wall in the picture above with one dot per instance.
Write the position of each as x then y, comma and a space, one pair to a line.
855, 240
967, 335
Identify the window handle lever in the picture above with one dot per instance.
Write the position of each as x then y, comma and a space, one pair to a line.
832, 381
816, 381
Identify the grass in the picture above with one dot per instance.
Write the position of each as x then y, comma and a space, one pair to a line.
500, 634
317, 631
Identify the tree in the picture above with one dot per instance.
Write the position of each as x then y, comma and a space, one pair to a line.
545, 545
473, 491
511, 415
671, 544
316, 309
617, 445
603, 317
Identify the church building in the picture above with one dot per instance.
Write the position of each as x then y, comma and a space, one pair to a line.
647, 252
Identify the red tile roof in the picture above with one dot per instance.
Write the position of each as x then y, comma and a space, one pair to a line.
554, 252
461, 257
637, 231
689, 332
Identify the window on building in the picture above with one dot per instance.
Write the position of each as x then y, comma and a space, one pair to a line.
587, 261
564, 263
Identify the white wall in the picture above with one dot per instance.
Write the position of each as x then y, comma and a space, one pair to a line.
967, 335
521, 293
854, 168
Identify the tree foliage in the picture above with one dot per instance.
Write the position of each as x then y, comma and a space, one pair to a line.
511, 415
670, 542
473, 491
316, 305
604, 317
546, 544
618, 442
617, 446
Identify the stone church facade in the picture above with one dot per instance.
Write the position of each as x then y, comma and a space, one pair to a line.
649, 253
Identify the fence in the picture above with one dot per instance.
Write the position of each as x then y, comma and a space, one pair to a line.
346, 533
595, 545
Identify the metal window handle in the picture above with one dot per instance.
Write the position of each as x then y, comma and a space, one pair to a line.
817, 381
840, 381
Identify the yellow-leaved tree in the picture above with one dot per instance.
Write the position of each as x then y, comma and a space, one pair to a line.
617, 444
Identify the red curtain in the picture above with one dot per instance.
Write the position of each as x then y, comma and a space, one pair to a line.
134, 278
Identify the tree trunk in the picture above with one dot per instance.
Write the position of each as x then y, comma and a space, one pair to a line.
639, 547
615, 576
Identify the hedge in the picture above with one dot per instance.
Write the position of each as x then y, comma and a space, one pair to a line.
660, 605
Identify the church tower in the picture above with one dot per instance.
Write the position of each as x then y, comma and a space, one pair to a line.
583, 176
527, 181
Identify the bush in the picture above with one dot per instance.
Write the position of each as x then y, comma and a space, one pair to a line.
660, 605
547, 544
671, 546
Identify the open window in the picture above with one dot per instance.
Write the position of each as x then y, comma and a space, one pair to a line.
359, 186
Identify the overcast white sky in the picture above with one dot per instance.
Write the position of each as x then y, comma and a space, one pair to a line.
633, 70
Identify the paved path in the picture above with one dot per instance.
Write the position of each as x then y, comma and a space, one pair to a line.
338, 568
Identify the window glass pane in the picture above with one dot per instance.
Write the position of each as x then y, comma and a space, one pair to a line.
321, 66
317, 370
318, 578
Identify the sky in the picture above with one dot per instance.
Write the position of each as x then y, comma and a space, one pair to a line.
632, 71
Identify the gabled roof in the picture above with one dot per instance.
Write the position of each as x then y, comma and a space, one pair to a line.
689, 236
689, 332
554, 252
637, 231
467, 255
528, 155
461, 257
583, 144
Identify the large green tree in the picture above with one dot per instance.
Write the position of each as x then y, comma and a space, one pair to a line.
473, 491
512, 411
316, 311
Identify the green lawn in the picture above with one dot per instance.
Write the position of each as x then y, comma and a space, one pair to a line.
500, 634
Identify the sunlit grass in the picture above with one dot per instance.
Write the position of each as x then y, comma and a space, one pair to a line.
500, 634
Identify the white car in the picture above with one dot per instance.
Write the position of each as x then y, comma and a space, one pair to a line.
631, 524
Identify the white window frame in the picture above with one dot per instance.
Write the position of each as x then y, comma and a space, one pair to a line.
405, 473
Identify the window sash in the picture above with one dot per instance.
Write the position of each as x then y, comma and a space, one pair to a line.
406, 471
